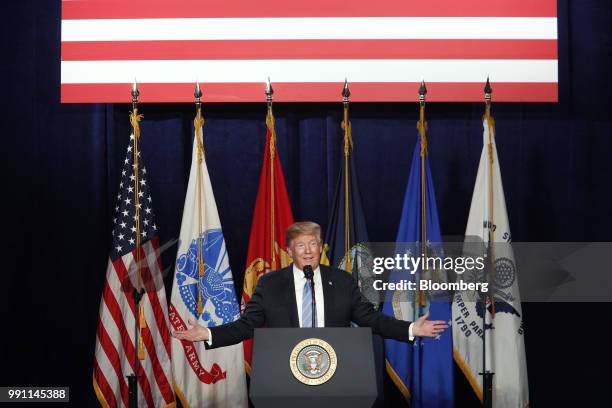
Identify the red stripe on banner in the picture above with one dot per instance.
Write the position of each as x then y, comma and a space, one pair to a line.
151, 290
158, 371
103, 9
126, 285
162, 328
310, 92
104, 386
308, 49
113, 358
116, 314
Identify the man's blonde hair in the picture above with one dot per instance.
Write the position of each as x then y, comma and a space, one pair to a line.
302, 228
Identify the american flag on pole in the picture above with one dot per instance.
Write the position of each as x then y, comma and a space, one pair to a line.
115, 344
384, 48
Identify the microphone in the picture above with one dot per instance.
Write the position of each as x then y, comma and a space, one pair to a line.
308, 272
309, 275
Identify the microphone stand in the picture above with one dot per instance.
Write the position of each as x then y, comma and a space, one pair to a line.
314, 303
309, 275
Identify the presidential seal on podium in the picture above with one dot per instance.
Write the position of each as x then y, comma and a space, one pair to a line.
313, 361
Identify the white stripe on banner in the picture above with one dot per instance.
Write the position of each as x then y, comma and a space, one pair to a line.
107, 370
158, 341
126, 312
115, 337
147, 365
350, 28
231, 71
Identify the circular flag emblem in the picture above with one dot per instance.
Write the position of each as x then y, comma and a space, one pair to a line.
505, 272
313, 361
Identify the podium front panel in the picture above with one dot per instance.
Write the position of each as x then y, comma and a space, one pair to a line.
274, 385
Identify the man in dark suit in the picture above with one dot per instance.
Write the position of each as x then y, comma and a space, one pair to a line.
283, 299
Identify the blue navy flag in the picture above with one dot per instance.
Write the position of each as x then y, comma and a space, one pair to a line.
423, 371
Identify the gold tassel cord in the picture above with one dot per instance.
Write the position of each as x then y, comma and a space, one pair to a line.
422, 127
348, 146
143, 325
270, 123
198, 123
135, 119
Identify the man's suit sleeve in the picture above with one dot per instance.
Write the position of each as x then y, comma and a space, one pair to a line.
242, 329
364, 314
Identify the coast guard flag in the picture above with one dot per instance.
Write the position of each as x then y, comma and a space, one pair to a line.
115, 350
505, 342
423, 371
203, 290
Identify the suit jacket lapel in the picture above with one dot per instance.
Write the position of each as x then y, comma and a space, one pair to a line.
328, 296
290, 296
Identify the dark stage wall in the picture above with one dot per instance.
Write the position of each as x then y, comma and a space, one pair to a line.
61, 167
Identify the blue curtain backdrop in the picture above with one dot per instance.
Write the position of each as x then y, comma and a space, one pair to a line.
61, 165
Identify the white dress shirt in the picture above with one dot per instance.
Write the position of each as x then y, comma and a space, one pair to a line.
299, 280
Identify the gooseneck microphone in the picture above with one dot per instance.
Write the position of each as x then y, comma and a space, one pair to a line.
309, 275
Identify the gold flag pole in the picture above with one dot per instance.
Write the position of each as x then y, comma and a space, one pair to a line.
272, 128
135, 119
491, 215
138, 292
422, 127
198, 123
348, 146
487, 374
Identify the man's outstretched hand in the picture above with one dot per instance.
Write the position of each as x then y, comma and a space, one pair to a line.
428, 328
196, 333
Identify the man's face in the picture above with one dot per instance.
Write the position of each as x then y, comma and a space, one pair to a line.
305, 250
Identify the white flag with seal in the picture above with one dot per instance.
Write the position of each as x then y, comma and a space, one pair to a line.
505, 346
203, 290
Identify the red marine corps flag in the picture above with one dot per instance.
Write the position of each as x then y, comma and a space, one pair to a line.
271, 218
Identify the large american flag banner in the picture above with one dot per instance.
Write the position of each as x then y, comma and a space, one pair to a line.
115, 346
383, 48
